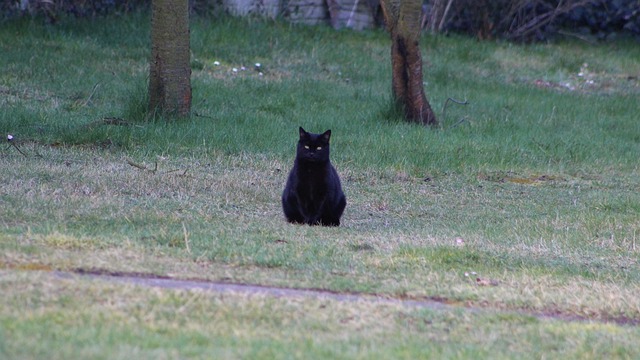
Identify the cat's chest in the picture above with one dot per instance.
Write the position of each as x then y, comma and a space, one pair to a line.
312, 181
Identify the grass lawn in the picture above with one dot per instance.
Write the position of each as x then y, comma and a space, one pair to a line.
523, 203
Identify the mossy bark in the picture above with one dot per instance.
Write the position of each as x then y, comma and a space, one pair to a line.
170, 70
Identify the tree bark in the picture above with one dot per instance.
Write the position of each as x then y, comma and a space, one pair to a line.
170, 70
403, 18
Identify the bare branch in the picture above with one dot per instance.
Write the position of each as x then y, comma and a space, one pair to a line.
444, 15
446, 103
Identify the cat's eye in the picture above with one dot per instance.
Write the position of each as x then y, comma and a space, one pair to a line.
306, 146
319, 148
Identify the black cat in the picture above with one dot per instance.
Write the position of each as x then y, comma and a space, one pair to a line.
313, 194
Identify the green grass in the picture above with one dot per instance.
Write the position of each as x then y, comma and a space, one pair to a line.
79, 318
538, 177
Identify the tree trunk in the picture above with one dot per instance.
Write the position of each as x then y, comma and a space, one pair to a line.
170, 70
403, 18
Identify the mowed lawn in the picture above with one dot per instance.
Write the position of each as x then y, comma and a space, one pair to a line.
519, 212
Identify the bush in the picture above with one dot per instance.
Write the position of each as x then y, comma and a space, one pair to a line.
534, 20
518, 20
605, 18
52, 9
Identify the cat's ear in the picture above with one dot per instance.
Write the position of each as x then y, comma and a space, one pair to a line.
326, 136
303, 134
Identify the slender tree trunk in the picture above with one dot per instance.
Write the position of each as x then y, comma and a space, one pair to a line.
403, 21
170, 70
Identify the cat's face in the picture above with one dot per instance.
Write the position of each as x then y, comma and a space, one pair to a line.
313, 147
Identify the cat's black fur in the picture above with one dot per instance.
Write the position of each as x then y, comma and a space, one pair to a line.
313, 194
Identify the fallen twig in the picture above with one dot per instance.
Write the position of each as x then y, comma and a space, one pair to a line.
155, 168
12, 143
444, 109
142, 167
457, 123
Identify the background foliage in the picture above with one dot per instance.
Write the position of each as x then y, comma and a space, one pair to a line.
520, 20
535, 20
606, 18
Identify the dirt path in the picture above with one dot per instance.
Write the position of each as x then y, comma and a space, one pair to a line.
221, 287
165, 282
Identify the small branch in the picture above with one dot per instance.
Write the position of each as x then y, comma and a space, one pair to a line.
12, 143
20, 151
457, 123
460, 102
142, 167
95, 87
155, 168
444, 16
538, 22
444, 107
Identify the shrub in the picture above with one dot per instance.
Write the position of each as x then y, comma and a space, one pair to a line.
534, 20
52, 9
605, 18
